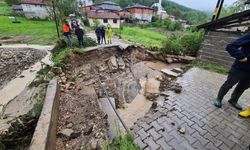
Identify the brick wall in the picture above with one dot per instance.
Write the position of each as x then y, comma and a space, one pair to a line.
213, 48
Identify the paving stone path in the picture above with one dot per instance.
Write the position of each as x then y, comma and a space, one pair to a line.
206, 126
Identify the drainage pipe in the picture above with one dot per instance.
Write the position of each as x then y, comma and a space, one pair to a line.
113, 107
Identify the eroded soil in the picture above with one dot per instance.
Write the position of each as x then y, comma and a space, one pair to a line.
82, 124
14, 60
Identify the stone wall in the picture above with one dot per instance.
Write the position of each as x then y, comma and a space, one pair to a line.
213, 48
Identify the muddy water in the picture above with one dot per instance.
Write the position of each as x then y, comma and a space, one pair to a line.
137, 108
157, 65
17, 85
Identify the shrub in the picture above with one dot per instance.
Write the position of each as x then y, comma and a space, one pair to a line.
187, 44
191, 42
172, 46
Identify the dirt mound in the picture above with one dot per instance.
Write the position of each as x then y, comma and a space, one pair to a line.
14, 60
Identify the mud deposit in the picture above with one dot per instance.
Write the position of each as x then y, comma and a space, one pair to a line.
14, 60
123, 73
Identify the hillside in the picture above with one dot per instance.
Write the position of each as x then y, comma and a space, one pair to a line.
172, 8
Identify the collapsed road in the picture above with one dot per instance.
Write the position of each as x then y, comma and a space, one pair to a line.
133, 78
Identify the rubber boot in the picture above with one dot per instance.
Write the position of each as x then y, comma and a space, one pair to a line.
245, 113
220, 96
238, 91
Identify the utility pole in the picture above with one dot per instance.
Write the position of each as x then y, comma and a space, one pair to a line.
216, 9
219, 11
55, 19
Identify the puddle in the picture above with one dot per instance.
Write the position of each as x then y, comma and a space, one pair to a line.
18, 84
137, 108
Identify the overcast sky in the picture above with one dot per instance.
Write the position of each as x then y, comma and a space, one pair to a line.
205, 5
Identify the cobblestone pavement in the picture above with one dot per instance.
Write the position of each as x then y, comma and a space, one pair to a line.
206, 126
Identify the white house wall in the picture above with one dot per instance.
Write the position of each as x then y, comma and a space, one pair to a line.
110, 21
35, 11
146, 17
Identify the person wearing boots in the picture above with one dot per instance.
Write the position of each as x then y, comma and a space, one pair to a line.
98, 34
239, 73
103, 37
109, 34
245, 114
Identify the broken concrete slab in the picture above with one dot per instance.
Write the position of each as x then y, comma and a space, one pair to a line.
177, 70
170, 73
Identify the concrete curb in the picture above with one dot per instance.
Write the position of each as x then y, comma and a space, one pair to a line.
44, 137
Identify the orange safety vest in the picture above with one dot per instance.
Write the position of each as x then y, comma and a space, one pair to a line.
65, 28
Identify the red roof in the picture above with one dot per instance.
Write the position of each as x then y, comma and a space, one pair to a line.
38, 2
102, 15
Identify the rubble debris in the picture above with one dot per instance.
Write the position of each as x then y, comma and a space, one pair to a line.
121, 63
176, 88
169, 60
152, 89
66, 133
93, 143
181, 130
112, 63
170, 73
88, 129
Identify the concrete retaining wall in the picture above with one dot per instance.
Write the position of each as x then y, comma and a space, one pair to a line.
213, 48
44, 137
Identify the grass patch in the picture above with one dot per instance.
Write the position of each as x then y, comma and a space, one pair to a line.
37, 108
121, 143
4, 8
60, 55
141, 36
210, 67
41, 32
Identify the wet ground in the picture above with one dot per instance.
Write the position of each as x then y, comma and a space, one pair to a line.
189, 120
19, 65
124, 74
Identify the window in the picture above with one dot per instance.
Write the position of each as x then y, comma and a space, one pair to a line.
114, 20
105, 20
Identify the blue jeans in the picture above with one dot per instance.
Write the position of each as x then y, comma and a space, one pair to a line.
69, 40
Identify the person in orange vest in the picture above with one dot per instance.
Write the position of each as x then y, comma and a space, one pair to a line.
67, 32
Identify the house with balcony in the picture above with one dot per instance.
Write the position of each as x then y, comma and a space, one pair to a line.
140, 12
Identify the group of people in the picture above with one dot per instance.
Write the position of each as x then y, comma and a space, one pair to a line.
101, 34
73, 25
239, 74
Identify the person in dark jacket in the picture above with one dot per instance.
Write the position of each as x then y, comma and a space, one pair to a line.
239, 73
98, 34
79, 33
103, 35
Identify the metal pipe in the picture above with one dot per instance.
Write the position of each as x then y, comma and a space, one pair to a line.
219, 11
113, 107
